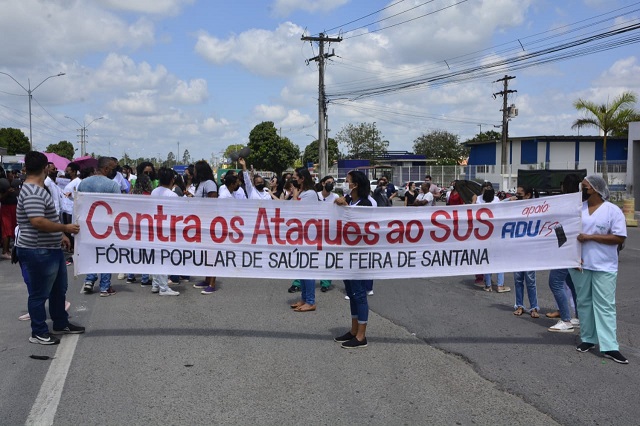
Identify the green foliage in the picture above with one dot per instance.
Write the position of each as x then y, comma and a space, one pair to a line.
312, 152
491, 135
14, 140
610, 118
171, 160
363, 141
231, 149
186, 157
270, 151
63, 148
441, 147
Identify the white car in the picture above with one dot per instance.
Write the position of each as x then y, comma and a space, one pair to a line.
341, 185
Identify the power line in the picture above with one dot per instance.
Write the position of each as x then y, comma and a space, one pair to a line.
363, 17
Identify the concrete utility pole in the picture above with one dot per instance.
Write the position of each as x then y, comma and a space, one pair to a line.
505, 118
322, 105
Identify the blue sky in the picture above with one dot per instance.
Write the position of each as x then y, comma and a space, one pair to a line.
203, 73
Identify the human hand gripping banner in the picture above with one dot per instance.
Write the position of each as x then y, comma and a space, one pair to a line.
288, 239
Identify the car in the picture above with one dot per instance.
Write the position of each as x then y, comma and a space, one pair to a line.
402, 189
341, 186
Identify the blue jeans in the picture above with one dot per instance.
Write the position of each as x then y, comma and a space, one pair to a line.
144, 277
557, 278
499, 277
105, 280
47, 275
357, 292
528, 278
308, 290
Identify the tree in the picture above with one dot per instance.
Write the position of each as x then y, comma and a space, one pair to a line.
171, 160
491, 135
312, 152
363, 141
63, 148
14, 140
270, 151
609, 118
186, 157
235, 147
441, 146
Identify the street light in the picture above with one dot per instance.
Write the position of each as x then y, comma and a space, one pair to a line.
29, 92
83, 133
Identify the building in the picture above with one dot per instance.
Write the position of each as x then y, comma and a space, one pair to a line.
547, 152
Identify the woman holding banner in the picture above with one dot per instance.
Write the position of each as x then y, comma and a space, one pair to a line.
360, 189
205, 188
603, 228
303, 191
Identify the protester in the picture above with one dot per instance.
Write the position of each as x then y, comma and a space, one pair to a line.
50, 183
205, 188
188, 181
142, 186
303, 191
71, 172
603, 229
433, 188
38, 248
356, 289
488, 196
101, 182
425, 197
525, 192
380, 193
453, 196
410, 194
255, 187
9, 200
559, 278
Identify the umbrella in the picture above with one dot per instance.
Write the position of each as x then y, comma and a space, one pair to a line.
59, 161
86, 161
467, 189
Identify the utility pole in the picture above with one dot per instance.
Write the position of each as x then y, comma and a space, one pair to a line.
505, 118
322, 105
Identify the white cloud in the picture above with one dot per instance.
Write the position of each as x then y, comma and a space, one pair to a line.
193, 92
158, 7
262, 52
284, 8
136, 103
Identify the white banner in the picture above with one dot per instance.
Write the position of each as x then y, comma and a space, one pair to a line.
280, 239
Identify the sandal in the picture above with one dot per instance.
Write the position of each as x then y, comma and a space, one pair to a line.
518, 311
534, 313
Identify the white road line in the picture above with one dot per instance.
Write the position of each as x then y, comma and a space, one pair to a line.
45, 406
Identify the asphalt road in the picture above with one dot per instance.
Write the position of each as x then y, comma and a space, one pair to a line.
440, 352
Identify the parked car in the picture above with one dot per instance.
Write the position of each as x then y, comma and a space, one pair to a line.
402, 189
341, 186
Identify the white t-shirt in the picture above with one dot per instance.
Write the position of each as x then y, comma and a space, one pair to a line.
479, 200
66, 204
204, 188
224, 192
331, 198
607, 219
55, 191
161, 191
308, 196
428, 197
373, 202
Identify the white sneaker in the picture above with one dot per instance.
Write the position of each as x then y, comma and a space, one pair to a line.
169, 292
155, 289
561, 327
370, 293
346, 298
575, 322
121, 276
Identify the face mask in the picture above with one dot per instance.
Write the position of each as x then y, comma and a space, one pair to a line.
260, 187
451, 188
295, 184
585, 195
328, 187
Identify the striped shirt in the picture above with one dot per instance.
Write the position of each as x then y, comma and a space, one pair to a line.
35, 201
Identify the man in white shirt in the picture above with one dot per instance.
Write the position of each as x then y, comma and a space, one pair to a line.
54, 190
166, 178
425, 198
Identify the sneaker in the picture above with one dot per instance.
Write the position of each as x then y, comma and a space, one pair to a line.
503, 289
561, 327
293, 289
88, 287
24, 317
324, 289
6, 256
354, 344
155, 289
121, 276
575, 322
201, 285
370, 293
44, 339
69, 262
208, 290
616, 356
346, 298
131, 280
145, 283
487, 288
169, 292
69, 329
584, 347
344, 338
109, 292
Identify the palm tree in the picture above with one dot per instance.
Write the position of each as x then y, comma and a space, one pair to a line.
609, 118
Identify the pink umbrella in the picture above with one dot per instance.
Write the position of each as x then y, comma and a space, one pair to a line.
86, 161
59, 161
